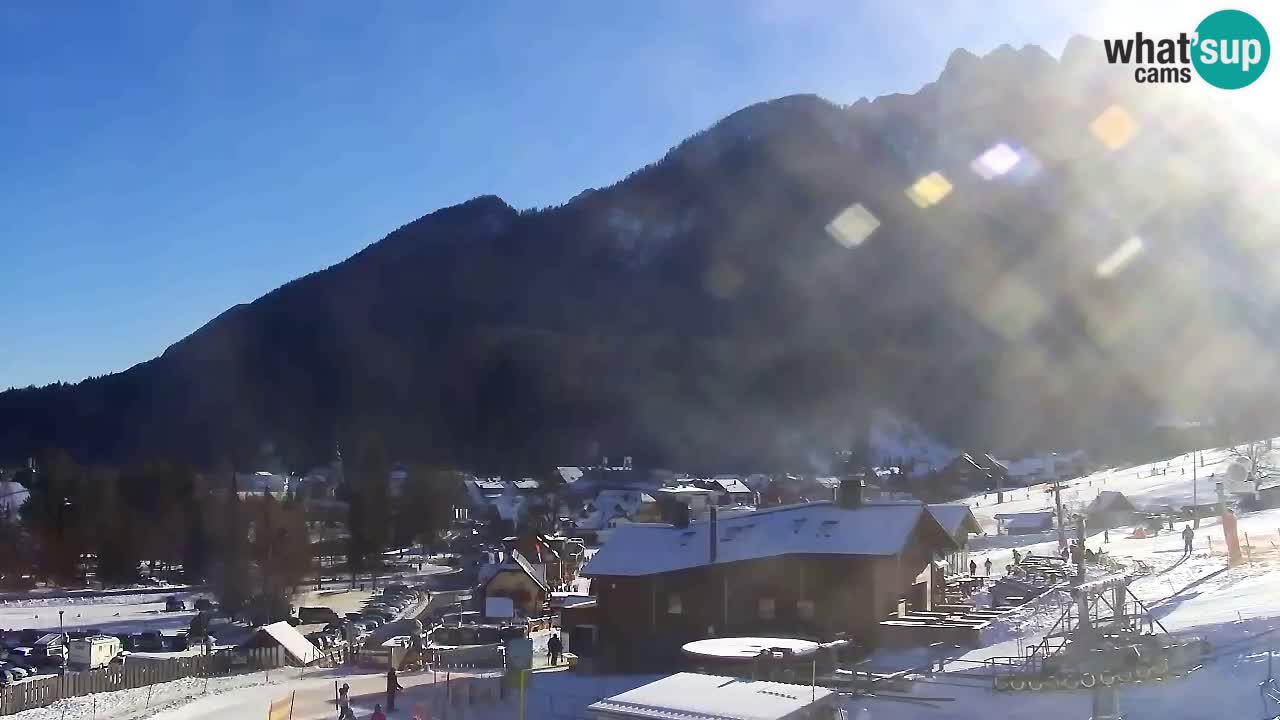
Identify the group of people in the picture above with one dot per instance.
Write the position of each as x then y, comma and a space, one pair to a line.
344, 699
1071, 553
555, 650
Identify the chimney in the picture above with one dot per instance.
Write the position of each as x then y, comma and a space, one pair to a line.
851, 492
713, 529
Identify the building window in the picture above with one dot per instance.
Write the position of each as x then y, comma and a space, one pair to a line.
674, 606
805, 609
766, 608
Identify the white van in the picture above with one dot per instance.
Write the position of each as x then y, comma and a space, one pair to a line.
93, 652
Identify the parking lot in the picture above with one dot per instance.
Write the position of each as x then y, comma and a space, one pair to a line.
146, 613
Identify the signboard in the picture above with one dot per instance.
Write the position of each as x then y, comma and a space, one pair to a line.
499, 607
520, 654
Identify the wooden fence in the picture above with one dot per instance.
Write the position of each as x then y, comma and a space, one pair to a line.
133, 673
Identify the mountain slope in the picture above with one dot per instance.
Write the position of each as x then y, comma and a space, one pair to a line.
712, 309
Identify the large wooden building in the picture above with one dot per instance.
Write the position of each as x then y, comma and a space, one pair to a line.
813, 570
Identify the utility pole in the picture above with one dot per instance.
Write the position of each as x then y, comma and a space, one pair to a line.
1082, 597
1057, 501
1195, 492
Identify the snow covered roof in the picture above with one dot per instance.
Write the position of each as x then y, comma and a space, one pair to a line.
685, 490
712, 697
819, 528
954, 517
570, 475
1111, 501
518, 563
732, 485
746, 648
299, 648
1032, 515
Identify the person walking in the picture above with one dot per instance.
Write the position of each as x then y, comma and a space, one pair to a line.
1016, 557
393, 686
987, 564
1188, 536
1106, 536
344, 703
554, 647
973, 568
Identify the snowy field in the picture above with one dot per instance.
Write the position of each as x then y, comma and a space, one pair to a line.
112, 614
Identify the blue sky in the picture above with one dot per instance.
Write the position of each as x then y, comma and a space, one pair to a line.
160, 162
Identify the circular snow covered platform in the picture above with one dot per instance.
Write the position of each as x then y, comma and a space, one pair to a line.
746, 648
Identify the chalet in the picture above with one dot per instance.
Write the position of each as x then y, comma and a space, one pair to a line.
815, 569
728, 490
610, 508
1110, 509
958, 520
519, 580
696, 499
970, 471
557, 558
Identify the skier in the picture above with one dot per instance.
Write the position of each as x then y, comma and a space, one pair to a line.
344, 703
1188, 535
393, 686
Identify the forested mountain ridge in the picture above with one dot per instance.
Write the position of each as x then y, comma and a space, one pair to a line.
724, 306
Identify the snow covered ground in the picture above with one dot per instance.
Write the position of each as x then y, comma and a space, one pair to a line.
111, 614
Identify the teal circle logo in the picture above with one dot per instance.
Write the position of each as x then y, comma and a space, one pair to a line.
1232, 49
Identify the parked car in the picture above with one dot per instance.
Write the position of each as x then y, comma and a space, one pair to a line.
317, 615
174, 604
180, 642
17, 672
6, 677
204, 605
126, 641
23, 657
148, 642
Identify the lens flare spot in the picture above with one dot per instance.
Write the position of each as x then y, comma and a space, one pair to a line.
853, 225
1120, 257
1114, 127
929, 190
997, 160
